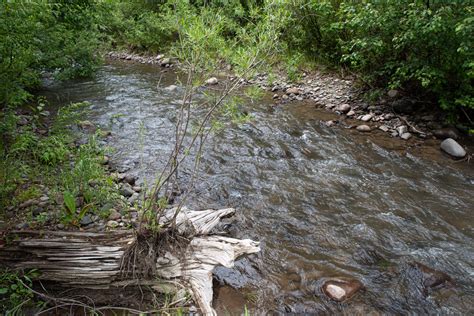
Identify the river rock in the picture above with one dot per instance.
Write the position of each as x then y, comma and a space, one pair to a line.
402, 129
165, 61
112, 224
452, 147
87, 125
343, 108
448, 132
86, 220
114, 215
28, 203
330, 123
351, 113
129, 179
363, 128
212, 81
341, 289
126, 190
392, 93
384, 128
405, 136
366, 118
171, 88
137, 188
293, 90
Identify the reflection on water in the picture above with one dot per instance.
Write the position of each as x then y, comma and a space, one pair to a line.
324, 202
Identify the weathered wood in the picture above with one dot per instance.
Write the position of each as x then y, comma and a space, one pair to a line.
92, 260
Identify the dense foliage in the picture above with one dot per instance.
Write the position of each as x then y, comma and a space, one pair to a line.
422, 47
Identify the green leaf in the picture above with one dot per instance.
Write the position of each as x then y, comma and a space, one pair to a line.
70, 202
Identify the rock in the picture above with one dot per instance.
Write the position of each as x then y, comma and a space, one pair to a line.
366, 118
275, 88
28, 203
126, 190
431, 277
171, 88
105, 160
165, 61
60, 226
137, 188
44, 198
363, 128
130, 179
351, 113
388, 116
402, 129
448, 132
275, 96
37, 211
86, 220
112, 224
159, 56
114, 215
405, 136
285, 97
87, 125
403, 106
392, 93
452, 147
341, 289
343, 108
133, 198
212, 81
293, 90
22, 226
330, 123
384, 128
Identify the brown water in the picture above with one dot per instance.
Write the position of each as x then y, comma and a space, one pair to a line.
324, 202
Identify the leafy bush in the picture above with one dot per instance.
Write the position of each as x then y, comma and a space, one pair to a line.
425, 48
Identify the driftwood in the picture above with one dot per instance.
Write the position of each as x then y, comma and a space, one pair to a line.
92, 260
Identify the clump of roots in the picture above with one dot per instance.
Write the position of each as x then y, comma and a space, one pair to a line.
139, 260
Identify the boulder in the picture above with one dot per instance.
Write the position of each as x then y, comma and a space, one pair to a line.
343, 108
363, 128
341, 289
452, 147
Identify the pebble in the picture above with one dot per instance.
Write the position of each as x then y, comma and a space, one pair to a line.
405, 136
165, 61
351, 113
126, 190
114, 215
130, 179
366, 118
137, 188
212, 81
392, 93
86, 220
453, 148
28, 203
275, 96
384, 128
112, 224
363, 128
293, 90
344, 108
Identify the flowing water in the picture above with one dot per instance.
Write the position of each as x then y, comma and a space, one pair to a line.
324, 202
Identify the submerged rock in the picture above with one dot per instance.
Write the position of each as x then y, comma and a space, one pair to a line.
171, 88
452, 147
432, 278
341, 289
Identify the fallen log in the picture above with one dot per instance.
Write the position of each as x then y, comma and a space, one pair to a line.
93, 260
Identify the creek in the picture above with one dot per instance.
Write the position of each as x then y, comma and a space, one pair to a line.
324, 202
